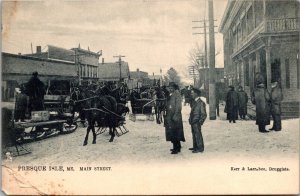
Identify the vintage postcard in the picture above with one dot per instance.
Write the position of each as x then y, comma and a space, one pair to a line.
150, 97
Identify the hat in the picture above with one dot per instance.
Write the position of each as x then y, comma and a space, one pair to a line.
35, 73
197, 91
231, 87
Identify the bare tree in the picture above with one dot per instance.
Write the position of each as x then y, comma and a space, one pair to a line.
194, 55
172, 76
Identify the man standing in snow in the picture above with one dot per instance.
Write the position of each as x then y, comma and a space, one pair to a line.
231, 107
196, 120
35, 89
242, 102
173, 118
276, 98
261, 98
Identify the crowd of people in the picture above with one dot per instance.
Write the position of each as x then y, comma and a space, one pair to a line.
267, 104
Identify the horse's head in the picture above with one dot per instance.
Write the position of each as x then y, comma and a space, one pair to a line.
122, 109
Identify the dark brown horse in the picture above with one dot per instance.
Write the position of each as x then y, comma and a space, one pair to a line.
104, 111
160, 104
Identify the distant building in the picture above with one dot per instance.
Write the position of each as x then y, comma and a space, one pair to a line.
262, 36
58, 64
88, 63
204, 77
85, 60
138, 79
113, 71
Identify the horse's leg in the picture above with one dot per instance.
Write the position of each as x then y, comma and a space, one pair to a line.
157, 113
87, 135
161, 113
94, 134
112, 134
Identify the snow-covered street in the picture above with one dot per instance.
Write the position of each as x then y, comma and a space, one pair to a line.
144, 148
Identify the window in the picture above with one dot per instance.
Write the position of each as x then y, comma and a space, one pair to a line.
287, 71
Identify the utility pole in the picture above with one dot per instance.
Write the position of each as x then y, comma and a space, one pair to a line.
193, 73
120, 63
205, 67
78, 66
212, 72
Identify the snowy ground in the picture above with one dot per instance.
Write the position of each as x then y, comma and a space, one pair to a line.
141, 162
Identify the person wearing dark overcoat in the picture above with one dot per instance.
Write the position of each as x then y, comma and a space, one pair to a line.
261, 98
231, 107
242, 102
35, 89
173, 118
276, 98
196, 120
20, 105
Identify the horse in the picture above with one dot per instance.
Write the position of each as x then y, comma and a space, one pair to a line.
160, 104
104, 110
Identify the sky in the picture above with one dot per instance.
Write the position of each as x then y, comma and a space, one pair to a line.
151, 34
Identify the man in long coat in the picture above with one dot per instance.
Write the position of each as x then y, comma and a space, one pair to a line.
231, 107
276, 98
173, 118
196, 120
242, 102
261, 98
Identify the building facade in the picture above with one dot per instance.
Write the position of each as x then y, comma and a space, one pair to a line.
56, 63
262, 36
138, 79
115, 71
18, 69
88, 64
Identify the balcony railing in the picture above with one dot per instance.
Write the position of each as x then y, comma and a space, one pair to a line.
282, 25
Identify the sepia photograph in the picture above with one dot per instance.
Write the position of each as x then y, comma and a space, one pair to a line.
150, 97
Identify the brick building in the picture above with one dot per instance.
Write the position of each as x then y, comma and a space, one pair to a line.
262, 36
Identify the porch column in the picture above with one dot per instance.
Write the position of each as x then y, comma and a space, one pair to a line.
282, 70
235, 73
238, 72
268, 63
251, 79
257, 55
242, 71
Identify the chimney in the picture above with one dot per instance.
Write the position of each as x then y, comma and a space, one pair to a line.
39, 49
102, 60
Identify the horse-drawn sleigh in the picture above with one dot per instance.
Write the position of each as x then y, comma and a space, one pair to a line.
103, 107
22, 124
148, 101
